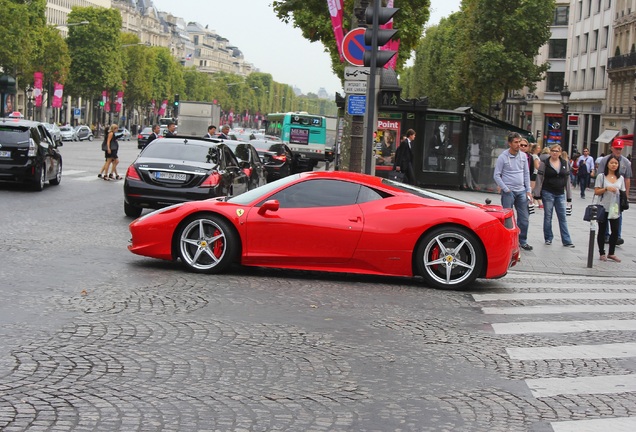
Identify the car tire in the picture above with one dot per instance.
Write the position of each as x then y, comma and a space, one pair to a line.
90, 137
41, 179
58, 175
207, 243
449, 257
132, 211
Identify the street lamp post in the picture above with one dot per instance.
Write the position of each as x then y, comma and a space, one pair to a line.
29, 94
565, 99
522, 113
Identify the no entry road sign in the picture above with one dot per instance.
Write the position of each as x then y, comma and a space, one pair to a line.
353, 46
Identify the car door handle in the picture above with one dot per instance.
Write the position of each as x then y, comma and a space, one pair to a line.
355, 219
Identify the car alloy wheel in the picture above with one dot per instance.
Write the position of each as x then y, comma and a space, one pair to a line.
58, 175
41, 173
207, 243
449, 257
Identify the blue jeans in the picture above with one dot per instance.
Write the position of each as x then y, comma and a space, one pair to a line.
584, 182
556, 203
520, 202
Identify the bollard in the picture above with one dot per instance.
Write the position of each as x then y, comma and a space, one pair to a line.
593, 228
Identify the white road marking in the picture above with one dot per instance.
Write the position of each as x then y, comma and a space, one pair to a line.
607, 384
615, 350
596, 425
555, 296
559, 309
563, 326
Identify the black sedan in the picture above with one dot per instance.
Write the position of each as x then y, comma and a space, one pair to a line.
174, 170
29, 154
278, 159
249, 161
142, 137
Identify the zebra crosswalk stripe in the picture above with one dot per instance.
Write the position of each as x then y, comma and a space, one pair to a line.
563, 326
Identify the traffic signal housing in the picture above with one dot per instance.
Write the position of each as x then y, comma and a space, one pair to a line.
176, 105
375, 37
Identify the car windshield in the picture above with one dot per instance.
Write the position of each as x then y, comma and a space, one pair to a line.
424, 193
14, 135
256, 194
177, 150
147, 131
66, 128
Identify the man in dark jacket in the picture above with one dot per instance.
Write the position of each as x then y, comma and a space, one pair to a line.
154, 134
404, 157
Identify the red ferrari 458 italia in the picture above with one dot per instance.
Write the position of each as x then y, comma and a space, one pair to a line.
336, 222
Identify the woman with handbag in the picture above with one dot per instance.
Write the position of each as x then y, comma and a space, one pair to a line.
606, 193
553, 188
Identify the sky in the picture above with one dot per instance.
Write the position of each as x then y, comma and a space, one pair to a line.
269, 44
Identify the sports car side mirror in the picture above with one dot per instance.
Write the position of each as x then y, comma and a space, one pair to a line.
271, 205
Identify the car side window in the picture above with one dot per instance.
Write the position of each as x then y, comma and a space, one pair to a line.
367, 194
318, 193
230, 159
37, 138
242, 152
254, 156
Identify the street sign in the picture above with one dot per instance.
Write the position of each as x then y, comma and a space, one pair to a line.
353, 46
77, 112
356, 87
356, 104
356, 73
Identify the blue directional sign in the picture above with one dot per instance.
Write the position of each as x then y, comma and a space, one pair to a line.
356, 104
77, 112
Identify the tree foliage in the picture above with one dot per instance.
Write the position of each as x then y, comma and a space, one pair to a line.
313, 19
96, 59
481, 53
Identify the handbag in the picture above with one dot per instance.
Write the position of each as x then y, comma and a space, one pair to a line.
397, 176
624, 202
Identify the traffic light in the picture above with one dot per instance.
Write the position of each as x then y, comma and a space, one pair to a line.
176, 105
101, 103
375, 37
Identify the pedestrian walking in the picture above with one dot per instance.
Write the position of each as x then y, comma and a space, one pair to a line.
624, 169
512, 175
403, 160
110, 147
553, 187
606, 191
586, 169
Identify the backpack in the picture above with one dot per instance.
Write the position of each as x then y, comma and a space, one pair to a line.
583, 168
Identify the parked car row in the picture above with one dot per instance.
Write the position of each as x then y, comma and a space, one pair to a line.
77, 133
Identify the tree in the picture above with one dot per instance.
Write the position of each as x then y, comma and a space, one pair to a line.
313, 19
502, 39
21, 23
95, 48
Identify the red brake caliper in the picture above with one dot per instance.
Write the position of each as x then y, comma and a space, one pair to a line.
217, 250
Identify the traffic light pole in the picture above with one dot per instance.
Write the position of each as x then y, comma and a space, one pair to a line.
371, 94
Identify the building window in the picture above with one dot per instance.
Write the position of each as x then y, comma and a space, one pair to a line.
582, 79
561, 15
598, 6
588, 9
605, 36
602, 76
586, 39
558, 48
577, 44
595, 40
554, 81
592, 77
579, 11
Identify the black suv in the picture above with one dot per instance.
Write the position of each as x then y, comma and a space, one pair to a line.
28, 154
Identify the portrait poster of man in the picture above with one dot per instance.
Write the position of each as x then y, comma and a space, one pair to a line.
442, 138
8, 104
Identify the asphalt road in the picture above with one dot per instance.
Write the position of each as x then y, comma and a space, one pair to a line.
93, 337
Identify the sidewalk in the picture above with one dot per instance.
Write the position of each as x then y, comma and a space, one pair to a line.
557, 259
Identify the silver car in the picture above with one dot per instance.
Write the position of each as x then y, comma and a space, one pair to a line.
54, 130
68, 133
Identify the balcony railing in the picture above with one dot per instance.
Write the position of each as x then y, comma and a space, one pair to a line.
621, 61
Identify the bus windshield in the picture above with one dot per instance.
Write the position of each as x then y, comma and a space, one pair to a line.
304, 133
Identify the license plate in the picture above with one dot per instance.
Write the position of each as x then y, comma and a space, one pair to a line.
170, 176
5, 153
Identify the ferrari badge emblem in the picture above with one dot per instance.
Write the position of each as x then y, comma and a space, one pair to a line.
240, 212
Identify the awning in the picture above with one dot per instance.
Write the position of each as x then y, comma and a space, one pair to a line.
607, 136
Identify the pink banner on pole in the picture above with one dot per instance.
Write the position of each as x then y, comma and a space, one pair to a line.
58, 93
38, 77
164, 106
392, 44
119, 102
335, 11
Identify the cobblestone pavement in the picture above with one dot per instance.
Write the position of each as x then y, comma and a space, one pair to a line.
95, 338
